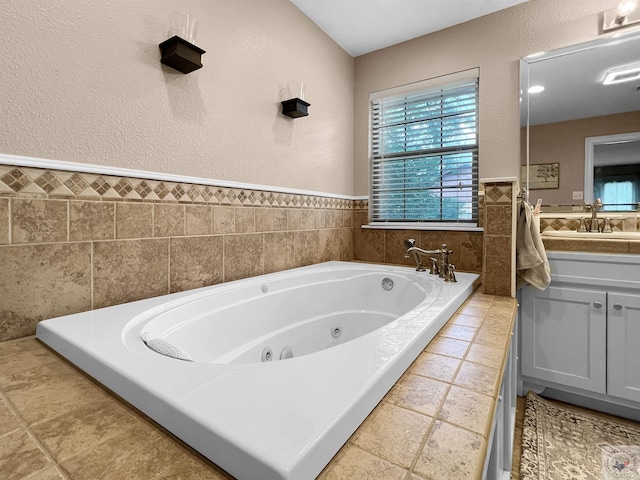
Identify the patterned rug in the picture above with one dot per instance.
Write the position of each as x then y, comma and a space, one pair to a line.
560, 442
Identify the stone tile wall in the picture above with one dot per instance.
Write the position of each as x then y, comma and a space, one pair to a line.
499, 274
620, 223
70, 242
387, 246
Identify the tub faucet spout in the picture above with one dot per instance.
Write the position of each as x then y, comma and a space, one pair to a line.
415, 253
439, 266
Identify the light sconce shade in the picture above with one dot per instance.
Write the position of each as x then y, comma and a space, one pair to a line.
179, 52
626, 13
625, 7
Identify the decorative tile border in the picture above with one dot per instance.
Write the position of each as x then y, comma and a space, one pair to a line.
18, 181
498, 194
627, 223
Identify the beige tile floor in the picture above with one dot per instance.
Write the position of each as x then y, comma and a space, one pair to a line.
57, 423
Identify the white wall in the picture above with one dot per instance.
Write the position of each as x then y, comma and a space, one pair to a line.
81, 81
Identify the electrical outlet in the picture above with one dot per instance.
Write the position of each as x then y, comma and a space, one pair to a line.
578, 195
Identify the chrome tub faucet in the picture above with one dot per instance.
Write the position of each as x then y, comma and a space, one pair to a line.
439, 264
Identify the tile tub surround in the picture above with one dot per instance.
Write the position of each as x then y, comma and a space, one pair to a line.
70, 242
499, 238
387, 246
434, 423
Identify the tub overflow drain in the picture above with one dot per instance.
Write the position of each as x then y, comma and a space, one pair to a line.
267, 355
387, 283
336, 331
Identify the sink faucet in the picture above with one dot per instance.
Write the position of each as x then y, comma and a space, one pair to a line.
595, 206
441, 261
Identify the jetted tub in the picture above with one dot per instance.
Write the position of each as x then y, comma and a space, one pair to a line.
267, 376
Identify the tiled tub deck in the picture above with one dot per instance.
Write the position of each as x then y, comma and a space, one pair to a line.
56, 423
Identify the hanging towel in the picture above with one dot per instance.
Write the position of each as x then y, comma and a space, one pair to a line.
532, 265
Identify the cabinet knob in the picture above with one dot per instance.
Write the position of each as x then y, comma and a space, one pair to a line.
617, 306
597, 304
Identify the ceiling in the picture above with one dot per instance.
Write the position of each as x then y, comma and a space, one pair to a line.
362, 26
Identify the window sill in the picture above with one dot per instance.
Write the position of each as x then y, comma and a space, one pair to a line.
451, 227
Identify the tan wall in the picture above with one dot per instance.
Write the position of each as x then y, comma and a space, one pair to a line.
82, 82
494, 43
563, 142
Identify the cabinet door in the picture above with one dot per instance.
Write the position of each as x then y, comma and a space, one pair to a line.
564, 337
624, 346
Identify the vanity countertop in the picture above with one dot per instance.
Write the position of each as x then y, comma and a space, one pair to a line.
434, 423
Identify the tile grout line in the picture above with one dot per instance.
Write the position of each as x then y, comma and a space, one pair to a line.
9, 219
411, 468
43, 448
435, 418
91, 272
442, 402
169, 243
68, 239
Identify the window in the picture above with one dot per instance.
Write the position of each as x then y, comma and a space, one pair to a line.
618, 186
424, 152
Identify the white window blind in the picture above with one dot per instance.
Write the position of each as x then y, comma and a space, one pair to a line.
424, 152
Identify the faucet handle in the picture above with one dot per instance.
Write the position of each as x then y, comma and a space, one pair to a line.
435, 270
408, 243
583, 226
451, 275
444, 249
607, 225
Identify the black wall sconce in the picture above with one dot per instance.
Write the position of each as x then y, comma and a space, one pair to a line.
177, 52
181, 55
295, 108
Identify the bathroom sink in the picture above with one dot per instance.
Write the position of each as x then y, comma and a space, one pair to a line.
567, 234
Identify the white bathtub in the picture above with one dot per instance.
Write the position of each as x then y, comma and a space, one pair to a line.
234, 400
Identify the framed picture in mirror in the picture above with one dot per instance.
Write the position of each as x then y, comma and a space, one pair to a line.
542, 175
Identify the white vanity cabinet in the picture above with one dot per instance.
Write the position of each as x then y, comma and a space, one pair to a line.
564, 333
582, 334
623, 345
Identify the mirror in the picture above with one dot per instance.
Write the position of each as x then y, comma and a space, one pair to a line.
581, 125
